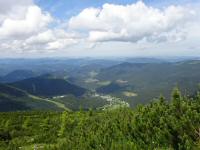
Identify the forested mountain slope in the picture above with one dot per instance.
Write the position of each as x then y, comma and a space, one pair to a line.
48, 86
162, 124
8, 96
148, 80
14, 99
17, 75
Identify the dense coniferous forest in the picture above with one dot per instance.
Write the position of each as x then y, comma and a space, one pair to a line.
162, 124
99, 75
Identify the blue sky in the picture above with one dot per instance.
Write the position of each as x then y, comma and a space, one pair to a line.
67, 8
99, 28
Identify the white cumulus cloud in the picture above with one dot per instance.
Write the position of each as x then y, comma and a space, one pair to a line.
33, 22
26, 27
131, 23
13, 9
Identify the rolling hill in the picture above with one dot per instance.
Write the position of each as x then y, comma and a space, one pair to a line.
149, 80
8, 97
135, 83
14, 99
11, 91
48, 86
17, 75
113, 87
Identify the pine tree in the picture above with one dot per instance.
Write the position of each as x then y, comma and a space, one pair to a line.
26, 123
176, 99
63, 124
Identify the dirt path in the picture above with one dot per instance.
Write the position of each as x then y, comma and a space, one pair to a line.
58, 104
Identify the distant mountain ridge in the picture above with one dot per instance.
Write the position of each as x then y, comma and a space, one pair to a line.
17, 75
149, 80
133, 80
48, 86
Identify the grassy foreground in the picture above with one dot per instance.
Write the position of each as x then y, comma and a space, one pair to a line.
173, 124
